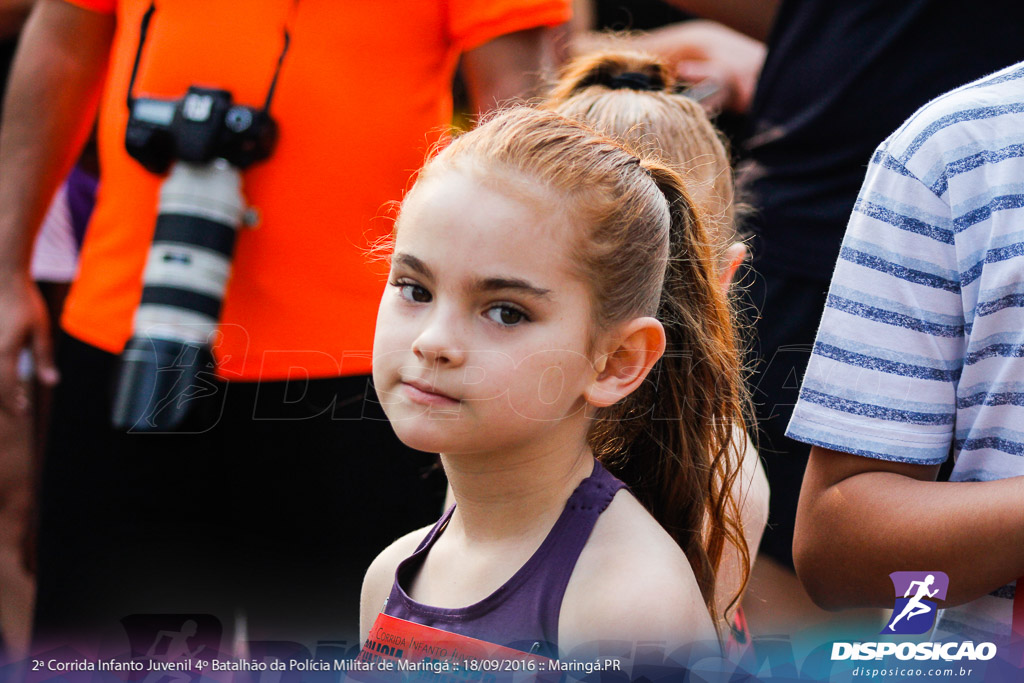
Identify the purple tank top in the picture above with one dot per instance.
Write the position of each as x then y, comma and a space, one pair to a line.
523, 613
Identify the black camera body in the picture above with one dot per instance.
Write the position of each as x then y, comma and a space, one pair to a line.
202, 126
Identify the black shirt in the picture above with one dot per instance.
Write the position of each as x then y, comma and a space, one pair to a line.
840, 76
635, 15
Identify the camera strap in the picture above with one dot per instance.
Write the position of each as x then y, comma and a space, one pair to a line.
144, 31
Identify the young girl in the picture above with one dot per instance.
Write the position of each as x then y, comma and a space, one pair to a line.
553, 298
631, 96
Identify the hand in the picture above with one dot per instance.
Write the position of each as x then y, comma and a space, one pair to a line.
706, 50
23, 324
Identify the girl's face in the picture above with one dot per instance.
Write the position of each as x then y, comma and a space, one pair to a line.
482, 333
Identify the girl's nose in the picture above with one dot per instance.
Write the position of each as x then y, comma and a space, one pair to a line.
438, 342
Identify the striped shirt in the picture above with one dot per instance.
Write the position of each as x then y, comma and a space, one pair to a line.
920, 353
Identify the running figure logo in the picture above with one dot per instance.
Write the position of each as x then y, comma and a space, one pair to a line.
914, 613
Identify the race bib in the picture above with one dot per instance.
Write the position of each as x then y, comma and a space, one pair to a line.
400, 650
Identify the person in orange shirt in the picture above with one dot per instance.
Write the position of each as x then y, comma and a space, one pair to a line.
275, 495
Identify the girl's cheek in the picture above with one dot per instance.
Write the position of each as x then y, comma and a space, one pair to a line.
489, 374
548, 383
393, 322
389, 343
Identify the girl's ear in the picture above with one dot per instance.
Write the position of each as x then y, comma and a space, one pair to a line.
626, 360
735, 255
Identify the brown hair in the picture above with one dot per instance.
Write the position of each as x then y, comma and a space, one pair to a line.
631, 96
643, 251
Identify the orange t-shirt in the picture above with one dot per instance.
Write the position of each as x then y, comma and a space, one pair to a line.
363, 92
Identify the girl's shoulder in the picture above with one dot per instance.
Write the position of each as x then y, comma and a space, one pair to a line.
632, 582
380, 577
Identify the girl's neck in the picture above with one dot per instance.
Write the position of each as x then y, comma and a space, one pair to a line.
501, 496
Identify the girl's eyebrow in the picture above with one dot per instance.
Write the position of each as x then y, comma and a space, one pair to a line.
491, 284
412, 263
486, 284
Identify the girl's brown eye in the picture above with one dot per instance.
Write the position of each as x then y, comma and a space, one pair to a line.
414, 293
506, 315
510, 316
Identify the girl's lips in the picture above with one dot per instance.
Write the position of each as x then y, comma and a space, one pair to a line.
424, 394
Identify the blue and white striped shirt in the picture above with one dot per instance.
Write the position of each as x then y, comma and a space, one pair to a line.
920, 353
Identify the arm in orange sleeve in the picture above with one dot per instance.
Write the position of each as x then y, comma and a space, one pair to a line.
509, 47
50, 105
509, 67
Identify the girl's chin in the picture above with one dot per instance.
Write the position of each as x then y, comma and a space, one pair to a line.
428, 441
446, 443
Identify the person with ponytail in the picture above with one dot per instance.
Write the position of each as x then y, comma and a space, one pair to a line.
553, 312
632, 96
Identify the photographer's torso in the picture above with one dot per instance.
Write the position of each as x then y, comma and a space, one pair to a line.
363, 92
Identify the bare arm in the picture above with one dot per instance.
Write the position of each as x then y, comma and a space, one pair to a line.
751, 491
631, 583
50, 105
511, 66
643, 603
860, 519
753, 17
